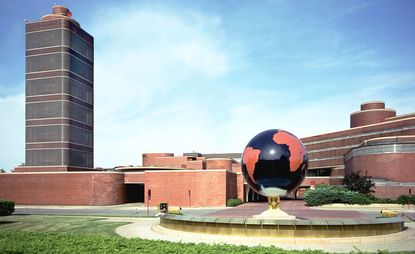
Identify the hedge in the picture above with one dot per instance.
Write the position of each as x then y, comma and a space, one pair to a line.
6, 207
325, 194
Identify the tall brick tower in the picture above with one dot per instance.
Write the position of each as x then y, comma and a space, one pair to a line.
59, 94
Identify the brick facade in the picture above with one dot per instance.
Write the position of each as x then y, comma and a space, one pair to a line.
69, 188
189, 188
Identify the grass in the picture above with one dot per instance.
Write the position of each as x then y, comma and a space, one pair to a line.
61, 224
31, 242
76, 234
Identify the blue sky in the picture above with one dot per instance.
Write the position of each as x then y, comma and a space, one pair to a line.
182, 76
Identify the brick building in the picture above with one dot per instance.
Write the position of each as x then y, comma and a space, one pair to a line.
59, 94
59, 141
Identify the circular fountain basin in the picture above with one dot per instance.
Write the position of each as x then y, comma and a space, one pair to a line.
326, 228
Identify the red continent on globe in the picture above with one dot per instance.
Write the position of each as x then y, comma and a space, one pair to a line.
294, 145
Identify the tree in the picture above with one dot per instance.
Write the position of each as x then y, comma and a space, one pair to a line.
356, 182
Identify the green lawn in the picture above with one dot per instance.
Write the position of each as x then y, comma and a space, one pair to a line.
77, 234
60, 224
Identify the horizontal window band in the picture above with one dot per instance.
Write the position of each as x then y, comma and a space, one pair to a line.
30, 50
380, 149
58, 121
411, 127
65, 145
77, 127
59, 73
57, 98
327, 158
58, 142
59, 24
31, 97
54, 77
59, 50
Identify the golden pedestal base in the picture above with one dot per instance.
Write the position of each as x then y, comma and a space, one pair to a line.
274, 212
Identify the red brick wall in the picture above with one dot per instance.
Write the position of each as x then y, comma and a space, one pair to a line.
236, 167
197, 164
207, 187
219, 164
391, 166
131, 177
149, 159
173, 162
90, 188
392, 191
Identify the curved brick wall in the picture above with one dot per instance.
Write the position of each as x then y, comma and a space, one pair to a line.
372, 105
390, 158
391, 166
371, 116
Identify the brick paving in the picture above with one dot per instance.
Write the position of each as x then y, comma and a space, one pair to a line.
292, 207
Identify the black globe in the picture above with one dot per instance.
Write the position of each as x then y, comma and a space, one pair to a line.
274, 163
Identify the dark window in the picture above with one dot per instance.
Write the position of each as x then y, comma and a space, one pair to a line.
47, 157
47, 62
47, 133
46, 39
81, 68
82, 47
81, 159
46, 86
44, 110
319, 172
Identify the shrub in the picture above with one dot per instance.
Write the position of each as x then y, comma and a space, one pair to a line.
403, 199
356, 182
6, 207
233, 202
325, 194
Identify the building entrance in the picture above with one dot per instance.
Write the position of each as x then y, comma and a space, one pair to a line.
134, 193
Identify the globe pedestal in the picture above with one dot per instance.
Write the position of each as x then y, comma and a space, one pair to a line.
274, 212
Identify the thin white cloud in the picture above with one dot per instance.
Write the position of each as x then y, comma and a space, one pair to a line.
149, 66
12, 131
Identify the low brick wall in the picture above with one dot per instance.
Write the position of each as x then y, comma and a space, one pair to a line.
63, 188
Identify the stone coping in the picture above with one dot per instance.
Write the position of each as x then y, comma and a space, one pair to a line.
255, 221
321, 228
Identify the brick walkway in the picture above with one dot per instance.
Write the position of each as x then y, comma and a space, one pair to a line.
292, 207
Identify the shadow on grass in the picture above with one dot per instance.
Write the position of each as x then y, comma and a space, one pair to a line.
7, 222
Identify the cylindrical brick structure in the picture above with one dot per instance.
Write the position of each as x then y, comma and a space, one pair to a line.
61, 10
219, 163
371, 113
372, 105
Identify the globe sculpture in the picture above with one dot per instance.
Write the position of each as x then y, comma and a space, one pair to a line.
274, 163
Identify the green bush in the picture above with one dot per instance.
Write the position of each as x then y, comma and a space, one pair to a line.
358, 183
6, 207
325, 194
233, 202
403, 199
